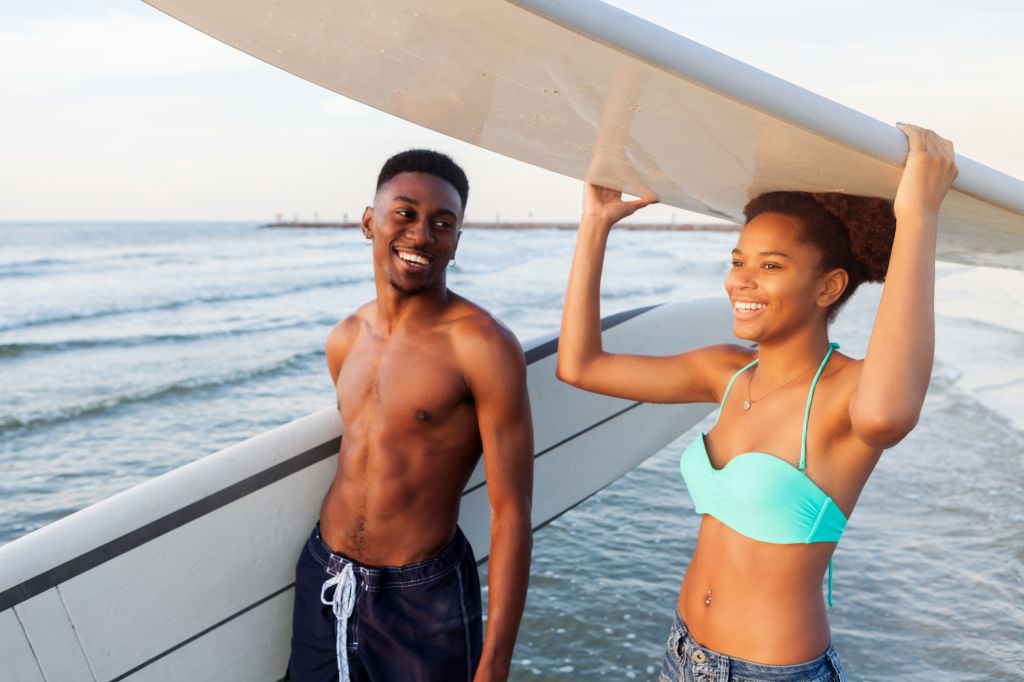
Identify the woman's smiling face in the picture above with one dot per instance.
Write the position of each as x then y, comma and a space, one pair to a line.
776, 284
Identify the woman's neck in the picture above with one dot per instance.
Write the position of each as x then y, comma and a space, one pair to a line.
778, 361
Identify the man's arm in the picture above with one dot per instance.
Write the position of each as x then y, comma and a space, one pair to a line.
496, 372
339, 340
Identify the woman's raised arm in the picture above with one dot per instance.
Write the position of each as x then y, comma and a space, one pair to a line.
582, 361
898, 364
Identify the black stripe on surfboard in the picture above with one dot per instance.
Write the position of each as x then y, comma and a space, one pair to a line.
165, 524
233, 616
543, 350
562, 442
103, 553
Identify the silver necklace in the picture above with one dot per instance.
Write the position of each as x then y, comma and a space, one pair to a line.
749, 402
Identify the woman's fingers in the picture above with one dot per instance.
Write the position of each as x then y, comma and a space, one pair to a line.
913, 134
645, 200
929, 172
928, 142
609, 204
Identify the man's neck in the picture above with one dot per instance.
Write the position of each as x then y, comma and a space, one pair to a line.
396, 310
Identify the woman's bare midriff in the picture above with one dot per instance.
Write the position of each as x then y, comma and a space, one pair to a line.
753, 600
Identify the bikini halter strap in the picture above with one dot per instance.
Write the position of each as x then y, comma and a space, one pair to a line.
728, 387
807, 410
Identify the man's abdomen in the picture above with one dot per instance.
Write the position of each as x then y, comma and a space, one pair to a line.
391, 508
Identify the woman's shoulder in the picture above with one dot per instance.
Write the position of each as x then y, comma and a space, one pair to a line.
721, 362
724, 357
732, 356
844, 369
840, 380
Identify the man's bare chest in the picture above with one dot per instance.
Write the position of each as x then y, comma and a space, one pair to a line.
401, 381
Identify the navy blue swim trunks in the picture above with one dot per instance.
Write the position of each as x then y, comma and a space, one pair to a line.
420, 622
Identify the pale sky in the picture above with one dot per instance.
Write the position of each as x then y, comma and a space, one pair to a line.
110, 110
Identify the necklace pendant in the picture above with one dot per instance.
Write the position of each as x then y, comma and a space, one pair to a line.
746, 405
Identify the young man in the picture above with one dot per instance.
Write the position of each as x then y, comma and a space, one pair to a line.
387, 587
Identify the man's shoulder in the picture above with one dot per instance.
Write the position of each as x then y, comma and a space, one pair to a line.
474, 329
345, 331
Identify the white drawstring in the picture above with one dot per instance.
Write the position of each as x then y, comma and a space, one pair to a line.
344, 585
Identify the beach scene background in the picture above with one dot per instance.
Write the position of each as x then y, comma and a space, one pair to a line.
146, 321
129, 349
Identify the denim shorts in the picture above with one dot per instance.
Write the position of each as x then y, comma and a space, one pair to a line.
420, 622
687, 661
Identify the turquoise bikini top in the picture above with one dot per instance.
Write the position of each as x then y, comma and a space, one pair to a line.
763, 496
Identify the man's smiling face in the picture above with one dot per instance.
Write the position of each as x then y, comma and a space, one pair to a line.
414, 224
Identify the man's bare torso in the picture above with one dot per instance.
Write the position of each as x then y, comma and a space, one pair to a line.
411, 438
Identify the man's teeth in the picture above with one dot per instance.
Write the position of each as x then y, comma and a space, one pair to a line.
742, 305
413, 258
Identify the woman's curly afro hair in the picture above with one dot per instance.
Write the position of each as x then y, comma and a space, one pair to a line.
852, 232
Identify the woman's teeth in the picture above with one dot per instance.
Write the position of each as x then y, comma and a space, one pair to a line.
742, 305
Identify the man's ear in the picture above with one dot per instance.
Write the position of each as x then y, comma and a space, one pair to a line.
368, 222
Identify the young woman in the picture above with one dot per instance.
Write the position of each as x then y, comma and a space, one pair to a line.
801, 425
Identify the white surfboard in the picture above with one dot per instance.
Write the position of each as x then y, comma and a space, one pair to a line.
590, 91
189, 576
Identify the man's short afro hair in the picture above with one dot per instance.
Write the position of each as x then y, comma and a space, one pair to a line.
426, 161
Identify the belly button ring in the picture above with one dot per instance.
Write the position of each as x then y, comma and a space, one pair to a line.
707, 599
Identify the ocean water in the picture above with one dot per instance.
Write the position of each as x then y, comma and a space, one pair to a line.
129, 349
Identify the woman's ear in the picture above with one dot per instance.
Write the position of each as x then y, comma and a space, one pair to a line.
833, 284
